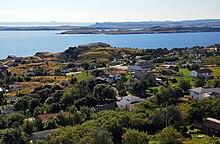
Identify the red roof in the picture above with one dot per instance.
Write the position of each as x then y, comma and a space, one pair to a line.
53, 115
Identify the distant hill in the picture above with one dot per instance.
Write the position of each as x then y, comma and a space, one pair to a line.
44, 23
203, 22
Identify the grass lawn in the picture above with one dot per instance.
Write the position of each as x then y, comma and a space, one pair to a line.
83, 76
216, 71
204, 140
186, 76
128, 79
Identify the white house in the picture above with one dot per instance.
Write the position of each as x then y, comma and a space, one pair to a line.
129, 100
14, 99
8, 109
201, 73
200, 93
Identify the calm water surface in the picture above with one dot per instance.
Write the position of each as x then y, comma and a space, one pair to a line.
24, 43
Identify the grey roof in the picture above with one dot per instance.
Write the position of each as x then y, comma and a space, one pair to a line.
42, 134
203, 90
131, 97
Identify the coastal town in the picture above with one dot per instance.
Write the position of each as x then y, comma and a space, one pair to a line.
99, 88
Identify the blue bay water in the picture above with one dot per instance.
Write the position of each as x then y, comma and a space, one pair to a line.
25, 43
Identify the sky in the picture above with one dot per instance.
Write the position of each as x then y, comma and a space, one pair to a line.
107, 10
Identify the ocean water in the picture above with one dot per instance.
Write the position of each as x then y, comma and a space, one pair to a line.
25, 43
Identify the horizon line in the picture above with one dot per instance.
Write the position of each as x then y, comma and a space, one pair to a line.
107, 21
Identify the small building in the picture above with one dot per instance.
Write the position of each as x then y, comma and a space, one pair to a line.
114, 77
201, 73
211, 127
14, 99
128, 100
8, 109
200, 93
40, 135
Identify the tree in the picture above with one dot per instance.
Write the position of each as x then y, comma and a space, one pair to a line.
132, 136
50, 124
139, 89
33, 104
80, 134
12, 136
14, 120
101, 136
200, 82
22, 104
86, 66
169, 135
73, 80
49, 100
121, 88
104, 93
185, 85
38, 125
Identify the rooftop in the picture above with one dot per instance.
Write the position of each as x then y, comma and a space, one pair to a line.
53, 115
204, 90
131, 97
213, 120
42, 133
203, 71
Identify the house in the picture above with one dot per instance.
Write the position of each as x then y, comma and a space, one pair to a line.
199, 61
158, 80
201, 73
14, 99
141, 75
19, 59
174, 67
3, 67
135, 68
107, 106
64, 82
45, 117
128, 100
40, 135
200, 93
14, 87
171, 63
211, 127
168, 72
114, 77
144, 65
30, 74
8, 109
